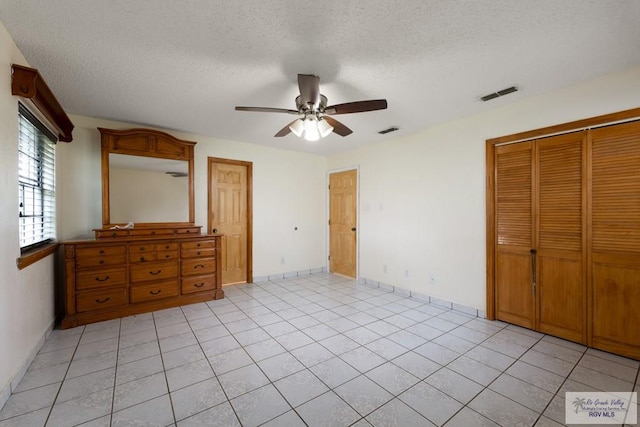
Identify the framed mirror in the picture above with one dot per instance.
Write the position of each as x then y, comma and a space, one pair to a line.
147, 178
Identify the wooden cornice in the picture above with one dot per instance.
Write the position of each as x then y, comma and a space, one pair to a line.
28, 83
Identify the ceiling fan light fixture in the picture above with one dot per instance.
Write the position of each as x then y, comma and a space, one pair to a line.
297, 127
311, 132
324, 128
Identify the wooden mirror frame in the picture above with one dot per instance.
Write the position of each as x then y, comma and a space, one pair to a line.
145, 143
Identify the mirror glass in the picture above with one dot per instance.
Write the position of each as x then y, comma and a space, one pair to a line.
147, 189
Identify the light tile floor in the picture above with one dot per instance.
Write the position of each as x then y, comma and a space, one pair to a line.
314, 350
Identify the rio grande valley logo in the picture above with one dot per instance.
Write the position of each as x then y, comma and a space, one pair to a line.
601, 407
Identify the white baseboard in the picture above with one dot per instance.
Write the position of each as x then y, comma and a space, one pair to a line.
13, 384
449, 305
289, 274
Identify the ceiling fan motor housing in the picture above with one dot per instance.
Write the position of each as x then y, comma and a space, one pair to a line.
304, 108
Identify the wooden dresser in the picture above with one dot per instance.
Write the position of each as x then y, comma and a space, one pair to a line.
115, 277
146, 266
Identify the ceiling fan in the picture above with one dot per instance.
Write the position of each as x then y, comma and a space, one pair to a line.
315, 119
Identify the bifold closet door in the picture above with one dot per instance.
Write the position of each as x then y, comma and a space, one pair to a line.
515, 298
615, 239
560, 239
540, 220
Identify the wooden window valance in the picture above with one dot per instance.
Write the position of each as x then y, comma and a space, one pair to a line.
28, 83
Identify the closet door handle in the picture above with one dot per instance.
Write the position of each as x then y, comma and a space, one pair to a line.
533, 271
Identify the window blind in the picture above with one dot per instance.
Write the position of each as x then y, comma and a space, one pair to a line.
36, 181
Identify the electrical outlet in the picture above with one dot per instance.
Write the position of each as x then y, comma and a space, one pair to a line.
432, 279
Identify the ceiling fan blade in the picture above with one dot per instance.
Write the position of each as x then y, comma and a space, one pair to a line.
357, 107
267, 110
338, 127
285, 130
309, 86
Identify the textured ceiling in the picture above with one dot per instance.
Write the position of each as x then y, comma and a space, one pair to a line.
185, 64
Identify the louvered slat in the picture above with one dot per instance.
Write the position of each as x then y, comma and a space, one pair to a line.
560, 193
513, 183
616, 189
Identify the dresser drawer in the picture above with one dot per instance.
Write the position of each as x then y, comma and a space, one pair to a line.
141, 293
198, 284
100, 251
166, 255
144, 272
192, 246
153, 256
199, 253
102, 261
101, 278
189, 230
142, 257
96, 300
141, 248
198, 266
100, 234
152, 232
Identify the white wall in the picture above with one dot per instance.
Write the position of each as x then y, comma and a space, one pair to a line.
422, 196
26, 296
287, 193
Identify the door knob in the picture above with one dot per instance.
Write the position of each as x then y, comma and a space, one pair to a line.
215, 230
353, 229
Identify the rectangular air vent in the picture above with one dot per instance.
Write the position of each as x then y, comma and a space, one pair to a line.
387, 130
499, 93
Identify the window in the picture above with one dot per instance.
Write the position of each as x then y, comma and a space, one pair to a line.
36, 182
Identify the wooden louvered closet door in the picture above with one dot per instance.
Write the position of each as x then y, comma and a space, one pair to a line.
514, 227
540, 208
615, 239
560, 240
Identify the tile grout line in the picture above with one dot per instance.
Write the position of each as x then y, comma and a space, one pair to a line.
53, 403
328, 295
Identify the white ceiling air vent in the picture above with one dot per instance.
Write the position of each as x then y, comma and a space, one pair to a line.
499, 93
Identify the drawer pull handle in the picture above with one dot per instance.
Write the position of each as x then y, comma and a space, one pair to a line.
101, 261
101, 251
198, 285
113, 234
141, 249
102, 280
102, 301
155, 292
198, 252
166, 247
198, 266
198, 245
155, 273
141, 258
167, 256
